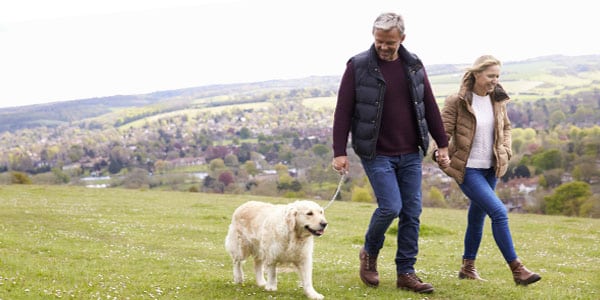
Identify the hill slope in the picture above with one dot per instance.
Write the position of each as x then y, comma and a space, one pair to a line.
115, 107
70, 242
529, 79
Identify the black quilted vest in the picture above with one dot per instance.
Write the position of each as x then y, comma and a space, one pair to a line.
370, 90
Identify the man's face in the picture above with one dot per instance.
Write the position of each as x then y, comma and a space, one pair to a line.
387, 43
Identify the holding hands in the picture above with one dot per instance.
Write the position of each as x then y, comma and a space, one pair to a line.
442, 158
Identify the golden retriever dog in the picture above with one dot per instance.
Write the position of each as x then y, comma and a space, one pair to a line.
273, 234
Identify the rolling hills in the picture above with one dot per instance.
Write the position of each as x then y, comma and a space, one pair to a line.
544, 77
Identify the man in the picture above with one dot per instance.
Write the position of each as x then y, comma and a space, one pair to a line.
385, 100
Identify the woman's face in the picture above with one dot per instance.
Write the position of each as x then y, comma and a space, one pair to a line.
387, 43
486, 80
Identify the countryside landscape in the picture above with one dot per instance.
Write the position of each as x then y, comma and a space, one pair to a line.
130, 196
273, 138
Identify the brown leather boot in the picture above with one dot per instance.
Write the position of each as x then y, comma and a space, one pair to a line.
411, 282
468, 270
368, 268
521, 275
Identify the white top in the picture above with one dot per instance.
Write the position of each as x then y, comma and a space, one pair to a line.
482, 150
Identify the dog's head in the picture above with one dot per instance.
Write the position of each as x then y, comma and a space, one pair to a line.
306, 218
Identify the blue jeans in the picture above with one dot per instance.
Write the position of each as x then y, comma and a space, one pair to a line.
396, 181
478, 186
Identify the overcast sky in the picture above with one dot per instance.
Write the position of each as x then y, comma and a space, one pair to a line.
72, 49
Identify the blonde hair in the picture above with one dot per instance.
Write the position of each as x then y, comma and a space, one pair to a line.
480, 64
389, 20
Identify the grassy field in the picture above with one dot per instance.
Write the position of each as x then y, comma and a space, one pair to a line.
78, 243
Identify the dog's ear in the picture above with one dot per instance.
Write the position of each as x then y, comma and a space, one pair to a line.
290, 217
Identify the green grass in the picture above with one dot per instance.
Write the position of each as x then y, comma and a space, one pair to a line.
78, 243
192, 112
320, 102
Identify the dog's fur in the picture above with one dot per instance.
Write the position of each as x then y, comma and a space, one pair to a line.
275, 234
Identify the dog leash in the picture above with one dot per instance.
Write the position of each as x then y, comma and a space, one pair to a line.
337, 191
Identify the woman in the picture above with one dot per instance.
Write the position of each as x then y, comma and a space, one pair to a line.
478, 131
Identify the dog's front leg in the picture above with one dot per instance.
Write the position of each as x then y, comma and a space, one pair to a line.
259, 272
271, 277
305, 271
238, 271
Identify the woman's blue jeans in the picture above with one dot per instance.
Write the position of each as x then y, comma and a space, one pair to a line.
478, 186
396, 181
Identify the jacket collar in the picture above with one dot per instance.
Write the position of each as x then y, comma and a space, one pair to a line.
498, 95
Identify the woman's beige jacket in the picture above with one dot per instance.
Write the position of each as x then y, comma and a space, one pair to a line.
460, 123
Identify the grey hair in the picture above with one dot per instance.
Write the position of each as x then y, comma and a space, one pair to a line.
480, 64
389, 20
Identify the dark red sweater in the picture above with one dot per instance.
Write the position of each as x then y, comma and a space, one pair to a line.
398, 131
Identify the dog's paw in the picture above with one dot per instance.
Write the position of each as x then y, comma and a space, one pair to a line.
261, 283
315, 296
312, 294
270, 288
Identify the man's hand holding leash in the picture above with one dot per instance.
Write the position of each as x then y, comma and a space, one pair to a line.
341, 164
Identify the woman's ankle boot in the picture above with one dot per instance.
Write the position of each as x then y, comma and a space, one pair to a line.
468, 270
521, 275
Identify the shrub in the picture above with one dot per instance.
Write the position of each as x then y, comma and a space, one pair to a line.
361, 194
20, 178
570, 199
435, 198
